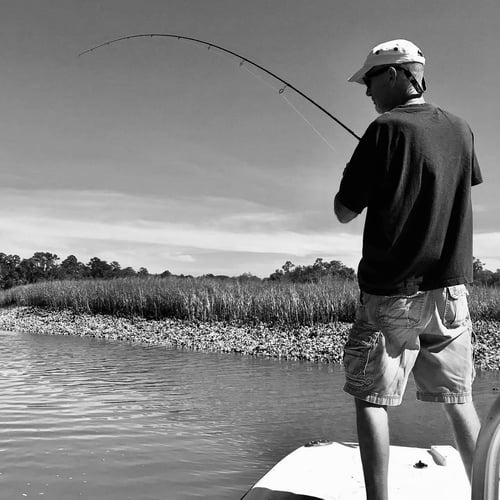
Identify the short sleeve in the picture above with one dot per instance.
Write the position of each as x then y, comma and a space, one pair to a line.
362, 176
476, 177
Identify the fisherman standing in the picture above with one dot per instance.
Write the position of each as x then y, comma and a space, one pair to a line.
413, 170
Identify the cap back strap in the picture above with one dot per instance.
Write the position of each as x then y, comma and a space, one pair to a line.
419, 88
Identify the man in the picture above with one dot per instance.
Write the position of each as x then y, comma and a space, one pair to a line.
413, 170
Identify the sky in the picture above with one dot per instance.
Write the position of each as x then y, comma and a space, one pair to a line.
159, 153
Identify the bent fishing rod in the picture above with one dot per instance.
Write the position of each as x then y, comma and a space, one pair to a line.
243, 60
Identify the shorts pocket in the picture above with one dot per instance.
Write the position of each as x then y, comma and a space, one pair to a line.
356, 358
456, 309
401, 311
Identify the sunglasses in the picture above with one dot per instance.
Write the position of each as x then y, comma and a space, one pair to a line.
378, 71
367, 79
374, 72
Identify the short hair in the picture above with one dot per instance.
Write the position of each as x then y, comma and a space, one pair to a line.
416, 68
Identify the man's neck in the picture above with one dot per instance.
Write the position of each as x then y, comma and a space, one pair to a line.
413, 100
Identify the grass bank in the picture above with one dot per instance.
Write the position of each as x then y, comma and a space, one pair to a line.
210, 299
200, 299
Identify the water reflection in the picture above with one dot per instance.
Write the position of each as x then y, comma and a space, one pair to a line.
86, 418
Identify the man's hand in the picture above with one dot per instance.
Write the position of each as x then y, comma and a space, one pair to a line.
344, 214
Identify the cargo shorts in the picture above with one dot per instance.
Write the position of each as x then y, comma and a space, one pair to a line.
428, 333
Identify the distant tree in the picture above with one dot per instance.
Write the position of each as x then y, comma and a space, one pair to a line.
280, 274
312, 273
42, 266
99, 268
477, 266
46, 262
71, 268
336, 268
9, 271
247, 277
128, 272
143, 272
166, 273
115, 270
483, 276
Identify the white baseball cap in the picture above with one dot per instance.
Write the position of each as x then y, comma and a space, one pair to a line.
392, 52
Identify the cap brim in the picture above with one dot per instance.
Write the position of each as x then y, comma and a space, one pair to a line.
359, 75
382, 61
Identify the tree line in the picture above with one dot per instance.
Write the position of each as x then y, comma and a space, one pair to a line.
313, 273
483, 276
46, 266
321, 269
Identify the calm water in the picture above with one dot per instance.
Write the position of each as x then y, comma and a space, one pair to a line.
88, 419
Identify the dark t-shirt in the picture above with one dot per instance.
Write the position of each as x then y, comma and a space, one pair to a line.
413, 169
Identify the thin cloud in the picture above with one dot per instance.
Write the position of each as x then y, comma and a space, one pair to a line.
41, 230
120, 226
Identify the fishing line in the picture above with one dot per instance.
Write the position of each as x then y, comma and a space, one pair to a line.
320, 135
243, 59
282, 93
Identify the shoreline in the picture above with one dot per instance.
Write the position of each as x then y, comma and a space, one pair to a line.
322, 343
318, 343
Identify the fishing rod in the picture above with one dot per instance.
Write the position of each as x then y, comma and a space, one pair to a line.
235, 54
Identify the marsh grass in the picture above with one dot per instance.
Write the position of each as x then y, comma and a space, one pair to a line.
208, 299
484, 302
201, 299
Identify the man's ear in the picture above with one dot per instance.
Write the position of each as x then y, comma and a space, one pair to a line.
393, 75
